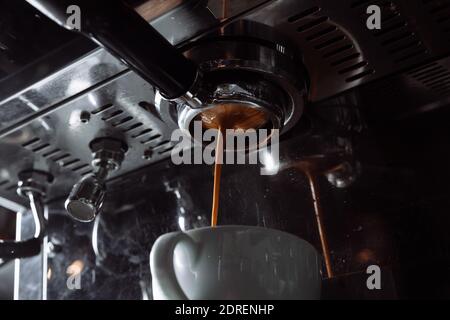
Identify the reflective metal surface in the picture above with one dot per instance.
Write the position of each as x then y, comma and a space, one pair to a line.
165, 68
86, 198
190, 18
81, 83
263, 75
58, 141
382, 184
41, 125
83, 74
32, 187
342, 53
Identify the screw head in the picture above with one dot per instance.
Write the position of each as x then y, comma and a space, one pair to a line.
85, 117
147, 154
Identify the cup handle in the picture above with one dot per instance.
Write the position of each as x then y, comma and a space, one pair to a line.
161, 264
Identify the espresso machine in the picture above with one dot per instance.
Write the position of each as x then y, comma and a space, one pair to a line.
88, 111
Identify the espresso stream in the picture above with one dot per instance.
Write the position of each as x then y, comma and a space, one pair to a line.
222, 117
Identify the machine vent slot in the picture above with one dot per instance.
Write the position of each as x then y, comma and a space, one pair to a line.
360, 75
338, 50
133, 127
321, 33
11, 187
119, 118
397, 35
122, 121
85, 173
151, 139
440, 10
331, 43
8, 185
389, 29
413, 44
151, 108
70, 163
31, 142
58, 156
2, 183
142, 133
419, 53
41, 148
170, 148
112, 115
434, 82
423, 70
353, 67
81, 167
51, 153
162, 143
440, 7
61, 157
397, 38
346, 59
311, 24
433, 76
441, 75
102, 109
304, 14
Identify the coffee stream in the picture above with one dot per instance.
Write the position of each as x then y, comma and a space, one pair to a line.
222, 117
217, 176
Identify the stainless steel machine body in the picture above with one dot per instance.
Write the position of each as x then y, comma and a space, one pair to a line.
52, 109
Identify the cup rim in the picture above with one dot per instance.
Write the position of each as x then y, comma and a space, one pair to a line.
209, 228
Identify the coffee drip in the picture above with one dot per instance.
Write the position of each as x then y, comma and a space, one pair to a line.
228, 116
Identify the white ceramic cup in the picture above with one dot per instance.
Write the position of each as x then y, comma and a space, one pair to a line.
234, 262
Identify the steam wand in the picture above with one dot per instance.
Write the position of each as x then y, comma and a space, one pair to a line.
32, 186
